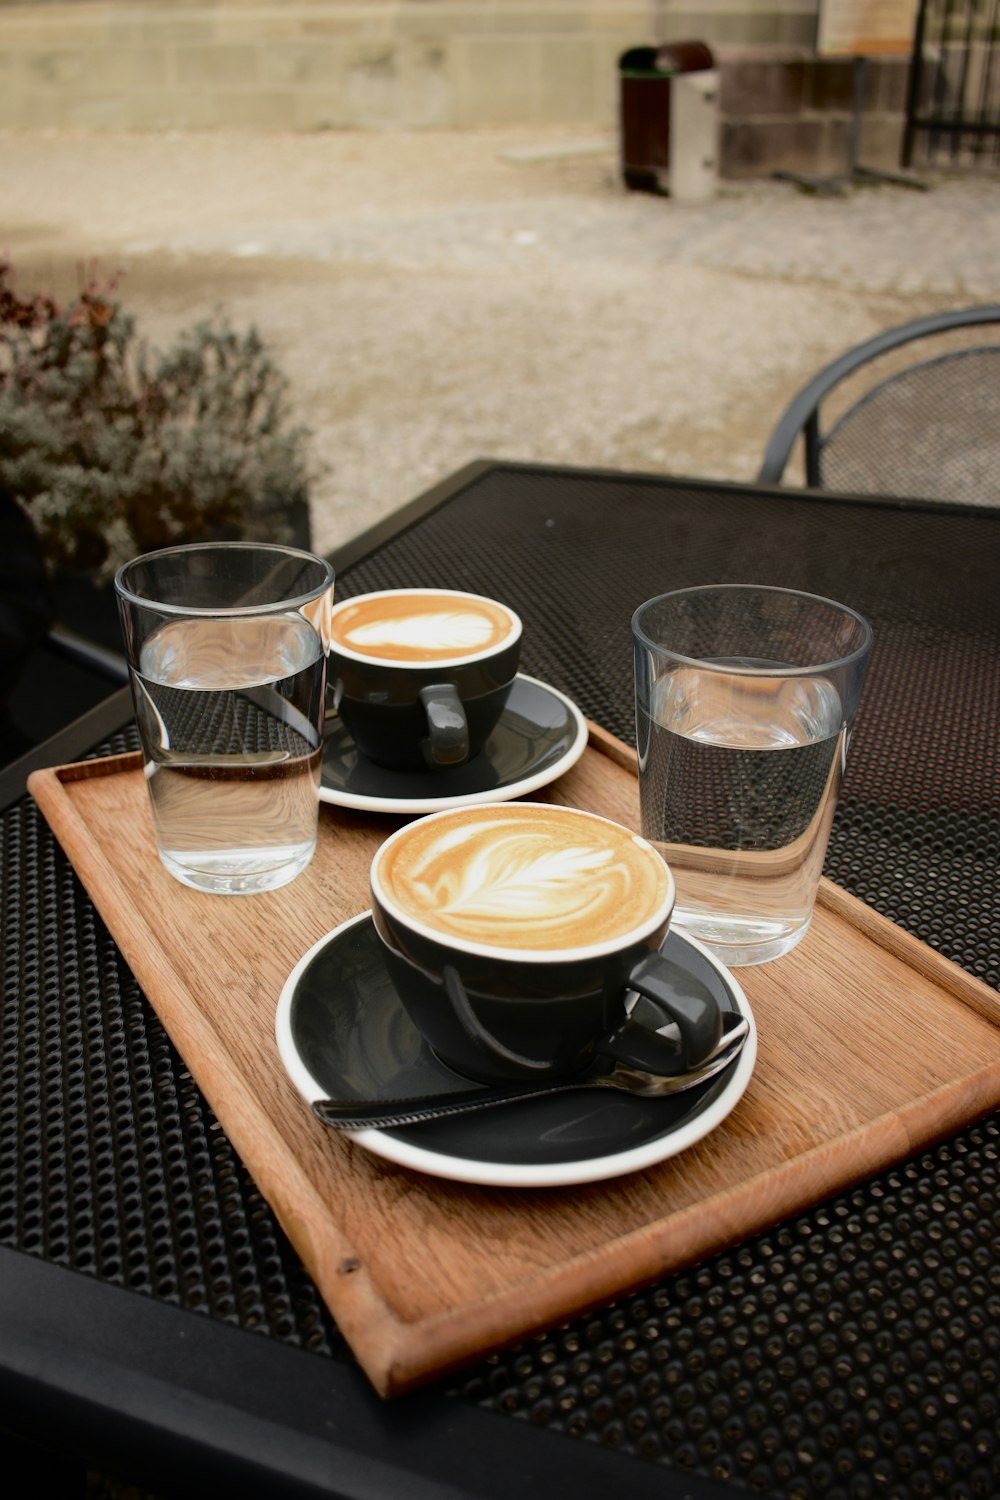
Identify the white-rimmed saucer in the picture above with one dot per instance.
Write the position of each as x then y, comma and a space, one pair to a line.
342, 1033
541, 733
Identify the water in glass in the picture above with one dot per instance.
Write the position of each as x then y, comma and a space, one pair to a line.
233, 749
740, 783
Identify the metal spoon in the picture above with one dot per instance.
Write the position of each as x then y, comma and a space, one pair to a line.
359, 1114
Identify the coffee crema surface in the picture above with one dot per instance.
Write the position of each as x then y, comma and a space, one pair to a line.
523, 876
421, 625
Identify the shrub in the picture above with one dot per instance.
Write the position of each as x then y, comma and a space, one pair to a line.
114, 450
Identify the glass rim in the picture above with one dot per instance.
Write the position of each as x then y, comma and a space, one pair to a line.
732, 668
224, 611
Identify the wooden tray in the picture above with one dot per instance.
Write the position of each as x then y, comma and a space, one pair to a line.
871, 1046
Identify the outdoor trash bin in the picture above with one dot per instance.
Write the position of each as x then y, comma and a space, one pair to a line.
645, 108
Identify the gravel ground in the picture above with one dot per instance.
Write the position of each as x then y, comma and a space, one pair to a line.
438, 297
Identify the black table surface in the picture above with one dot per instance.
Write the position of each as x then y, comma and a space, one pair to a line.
155, 1320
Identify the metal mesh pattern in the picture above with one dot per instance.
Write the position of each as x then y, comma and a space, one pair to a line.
852, 1351
111, 1162
930, 430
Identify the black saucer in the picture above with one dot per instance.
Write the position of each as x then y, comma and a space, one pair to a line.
541, 733
342, 1033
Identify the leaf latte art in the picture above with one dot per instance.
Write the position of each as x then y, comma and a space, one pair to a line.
524, 877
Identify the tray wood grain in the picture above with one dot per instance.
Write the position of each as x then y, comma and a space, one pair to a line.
871, 1047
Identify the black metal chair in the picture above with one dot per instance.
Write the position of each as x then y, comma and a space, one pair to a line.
914, 412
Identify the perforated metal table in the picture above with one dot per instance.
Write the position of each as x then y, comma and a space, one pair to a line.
153, 1317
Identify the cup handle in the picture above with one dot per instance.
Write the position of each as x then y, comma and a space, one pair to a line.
447, 742
670, 996
689, 1004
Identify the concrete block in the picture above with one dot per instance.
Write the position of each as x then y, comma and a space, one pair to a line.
539, 21
833, 153
797, 30
165, 109
829, 84
758, 29
636, 22
254, 109
369, 72
392, 85
682, 25
98, 111
445, 19
55, 69
725, 30
495, 81
426, 94
30, 110
200, 110
37, 28
216, 67
299, 64
754, 89
568, 80
607, 80
756, 148
251, 28
339, 23
319, 109
12, 104
128, 68
157, 25
881, 143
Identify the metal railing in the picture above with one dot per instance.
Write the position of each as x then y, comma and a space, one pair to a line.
953, 101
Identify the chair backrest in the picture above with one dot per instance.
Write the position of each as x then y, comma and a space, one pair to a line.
913, 412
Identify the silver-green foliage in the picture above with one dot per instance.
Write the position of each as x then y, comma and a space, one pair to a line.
115, 449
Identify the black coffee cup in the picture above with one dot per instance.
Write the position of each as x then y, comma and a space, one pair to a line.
420, 677
492, 1000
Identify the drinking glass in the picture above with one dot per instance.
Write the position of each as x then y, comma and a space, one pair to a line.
227, 645
744, 697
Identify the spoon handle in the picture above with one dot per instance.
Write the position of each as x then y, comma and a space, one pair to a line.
385, 1114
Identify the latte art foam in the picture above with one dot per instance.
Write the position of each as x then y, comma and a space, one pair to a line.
415, 626
523, 877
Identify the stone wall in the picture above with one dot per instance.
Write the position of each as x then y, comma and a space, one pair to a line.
795, 113
409, 64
